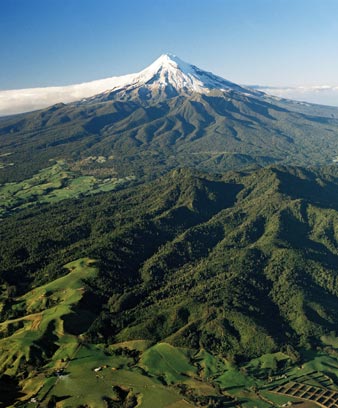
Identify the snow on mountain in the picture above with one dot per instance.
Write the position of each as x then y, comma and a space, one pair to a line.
168, 76
171, 70
165, 77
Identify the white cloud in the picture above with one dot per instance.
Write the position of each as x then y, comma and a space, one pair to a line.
321, 94
24, 100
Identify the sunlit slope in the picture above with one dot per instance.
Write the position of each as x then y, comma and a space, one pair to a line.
44, 314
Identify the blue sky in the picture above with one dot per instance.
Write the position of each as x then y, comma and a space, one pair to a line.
266, 42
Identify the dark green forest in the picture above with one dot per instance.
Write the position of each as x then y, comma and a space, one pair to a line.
241, 263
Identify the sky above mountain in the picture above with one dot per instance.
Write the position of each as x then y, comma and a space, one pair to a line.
280, 43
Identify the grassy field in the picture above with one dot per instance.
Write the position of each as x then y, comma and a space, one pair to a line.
83, 385
167, 361
52, 185
161, 375
153, 380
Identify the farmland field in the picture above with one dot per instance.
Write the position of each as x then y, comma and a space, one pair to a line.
53, 184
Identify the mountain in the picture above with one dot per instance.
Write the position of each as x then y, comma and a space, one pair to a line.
190, 77
171, 114
131, 277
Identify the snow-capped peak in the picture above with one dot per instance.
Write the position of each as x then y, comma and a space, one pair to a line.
169, 76
169, 70
170, 62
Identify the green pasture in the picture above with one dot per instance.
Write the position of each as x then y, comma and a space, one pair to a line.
167, 361
154, 378
41, 326
51, 185
80, 384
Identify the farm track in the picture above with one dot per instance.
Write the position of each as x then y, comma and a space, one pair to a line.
323, 397
36, 322
64, 367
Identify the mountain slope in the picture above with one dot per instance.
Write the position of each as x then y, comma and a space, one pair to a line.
170, 115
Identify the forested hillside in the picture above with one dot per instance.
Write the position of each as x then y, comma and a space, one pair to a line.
239, 264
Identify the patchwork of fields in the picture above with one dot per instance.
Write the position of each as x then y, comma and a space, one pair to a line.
45, 346
321, 396
54, 184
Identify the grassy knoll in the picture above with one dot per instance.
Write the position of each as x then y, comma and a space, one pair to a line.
167, 361
232, 380
210, 366
53, 184
330, 340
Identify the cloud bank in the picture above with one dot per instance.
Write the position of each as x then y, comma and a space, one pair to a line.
25, 100
321, 94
